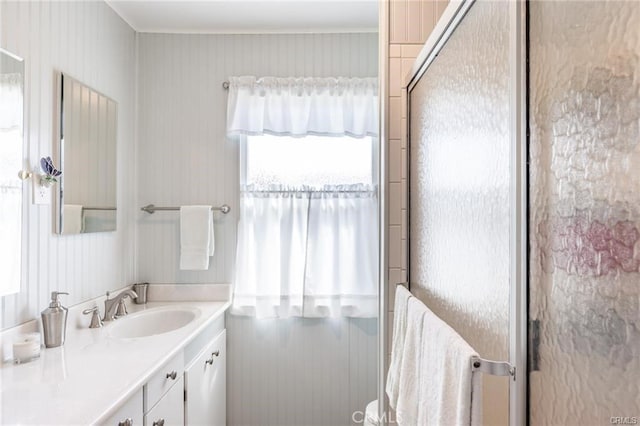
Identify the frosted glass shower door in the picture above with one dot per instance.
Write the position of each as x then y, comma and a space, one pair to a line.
584, 118
459, 189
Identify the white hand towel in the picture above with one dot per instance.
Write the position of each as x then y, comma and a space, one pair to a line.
72, 219
447, 394
196, 237
408, 389
399, 330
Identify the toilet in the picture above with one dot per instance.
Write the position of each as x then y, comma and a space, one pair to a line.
371, 414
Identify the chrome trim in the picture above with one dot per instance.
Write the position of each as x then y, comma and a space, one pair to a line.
96, 322
98, 208
493, 368
518, 290
111, 305
213, 354
151, 209
383, 218
449, 21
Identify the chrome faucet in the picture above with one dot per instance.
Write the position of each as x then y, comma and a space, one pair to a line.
111, 305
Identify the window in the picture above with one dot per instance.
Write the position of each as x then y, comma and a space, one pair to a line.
308, 230
311, 161
307, 240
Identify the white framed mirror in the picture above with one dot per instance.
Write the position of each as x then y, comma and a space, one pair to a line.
11, 161
86, 198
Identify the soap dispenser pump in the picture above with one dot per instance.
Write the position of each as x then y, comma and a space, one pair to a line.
54, 322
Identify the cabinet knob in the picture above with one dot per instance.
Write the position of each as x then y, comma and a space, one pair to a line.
172, 376
159, 422
126, 422
213, 354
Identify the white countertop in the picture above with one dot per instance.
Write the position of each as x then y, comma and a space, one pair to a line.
86, 380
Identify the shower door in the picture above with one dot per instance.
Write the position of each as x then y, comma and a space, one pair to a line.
460, 187
584, 118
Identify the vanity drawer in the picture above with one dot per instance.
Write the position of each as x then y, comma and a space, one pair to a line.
129, 413
169, 411
163, 380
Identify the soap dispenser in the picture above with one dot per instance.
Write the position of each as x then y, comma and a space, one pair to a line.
54, 322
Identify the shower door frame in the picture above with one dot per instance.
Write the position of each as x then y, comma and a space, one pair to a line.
518, 234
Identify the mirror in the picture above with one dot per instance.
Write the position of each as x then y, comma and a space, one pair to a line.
11, 127
86, 200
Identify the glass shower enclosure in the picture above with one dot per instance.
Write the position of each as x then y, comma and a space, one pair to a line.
459, 190
584, 118
524, 201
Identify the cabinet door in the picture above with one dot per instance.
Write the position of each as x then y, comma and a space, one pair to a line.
205, 383
169, 411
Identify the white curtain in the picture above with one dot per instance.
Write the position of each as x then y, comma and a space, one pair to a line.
270, 255
342, 254
302, 106
310, 253
305, 247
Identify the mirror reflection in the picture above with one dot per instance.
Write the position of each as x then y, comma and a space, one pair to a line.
87, 153
11, 125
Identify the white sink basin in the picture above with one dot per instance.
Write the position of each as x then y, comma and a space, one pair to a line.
153, 321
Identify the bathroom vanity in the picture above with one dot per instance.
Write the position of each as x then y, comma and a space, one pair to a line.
189, 389
163, 364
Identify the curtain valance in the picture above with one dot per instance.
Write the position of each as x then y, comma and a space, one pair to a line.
302, 106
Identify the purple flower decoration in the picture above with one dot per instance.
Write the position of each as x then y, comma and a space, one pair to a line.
50, 172
47, 166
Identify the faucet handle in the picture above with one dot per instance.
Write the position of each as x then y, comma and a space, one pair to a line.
121, 310
96, 322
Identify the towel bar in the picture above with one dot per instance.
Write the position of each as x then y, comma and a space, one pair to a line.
152, 209
494, 368
480, 365
98, 208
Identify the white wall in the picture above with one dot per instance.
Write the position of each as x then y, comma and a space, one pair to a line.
300, 372
184, 155
281, 372
89, 41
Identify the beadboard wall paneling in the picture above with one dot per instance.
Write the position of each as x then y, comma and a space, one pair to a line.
185, 157
92, 43
300, 372
280, 372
